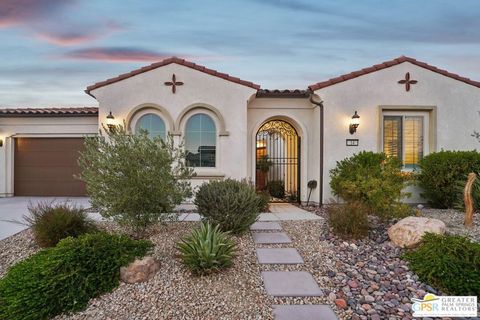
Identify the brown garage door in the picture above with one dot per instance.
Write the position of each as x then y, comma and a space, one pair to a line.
46, 167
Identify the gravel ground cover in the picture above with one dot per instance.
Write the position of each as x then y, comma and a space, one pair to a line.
453, 219
360, 279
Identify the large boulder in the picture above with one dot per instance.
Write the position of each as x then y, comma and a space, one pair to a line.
408, 232
139, 270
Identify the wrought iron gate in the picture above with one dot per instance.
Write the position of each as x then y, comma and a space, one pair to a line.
278, 161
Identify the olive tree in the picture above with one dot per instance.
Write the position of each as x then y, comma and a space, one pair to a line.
133, 179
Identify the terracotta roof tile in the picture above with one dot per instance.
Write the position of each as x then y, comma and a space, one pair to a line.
295, 93
49, 112
165, 62
388, 64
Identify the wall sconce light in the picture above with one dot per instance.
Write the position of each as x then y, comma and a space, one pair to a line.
110, 121
354, 123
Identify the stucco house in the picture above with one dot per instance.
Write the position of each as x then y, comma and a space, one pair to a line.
233, 128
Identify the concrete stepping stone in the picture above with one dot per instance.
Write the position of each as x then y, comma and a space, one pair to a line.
303, 312
278, 256
290, 284
270, 237
265, 226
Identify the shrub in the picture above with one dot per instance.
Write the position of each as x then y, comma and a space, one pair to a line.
233, 205
52, 222
206, 250
348, 220
374, 180
264, 201
276, 188
440, 173
64, 278
133, 179
450, 263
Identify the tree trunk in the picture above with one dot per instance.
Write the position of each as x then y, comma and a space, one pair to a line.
468, 199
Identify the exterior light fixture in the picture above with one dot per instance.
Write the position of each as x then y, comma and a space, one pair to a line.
354, 123
110, 121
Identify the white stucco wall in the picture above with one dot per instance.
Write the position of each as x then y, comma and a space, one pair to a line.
305, 118
208, 92
456, 103
15, 127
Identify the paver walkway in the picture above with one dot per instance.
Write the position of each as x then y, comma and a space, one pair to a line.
278, 212
287, 283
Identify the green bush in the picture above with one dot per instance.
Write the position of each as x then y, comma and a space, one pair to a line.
206, 250
348, 220
374, 180
64, 278
51, 222
450, 263
276, 188
264, 201
233, 205
133, 179
440, 172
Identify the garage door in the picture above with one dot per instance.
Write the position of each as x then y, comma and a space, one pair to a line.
46, 167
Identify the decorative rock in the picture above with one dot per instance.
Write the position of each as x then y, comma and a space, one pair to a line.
332, 296
341, 303
369, 298
408, 232
139, 270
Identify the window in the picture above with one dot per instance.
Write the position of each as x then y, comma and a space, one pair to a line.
403, 137
153, 124
200, 141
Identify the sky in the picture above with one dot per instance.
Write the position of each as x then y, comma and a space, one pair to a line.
51, 50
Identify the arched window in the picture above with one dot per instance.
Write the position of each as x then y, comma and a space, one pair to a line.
153, 124
200, 141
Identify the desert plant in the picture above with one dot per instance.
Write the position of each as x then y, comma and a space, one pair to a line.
276, 188
441, 172
64, 278
133, 179
450, 263
206, 250
264, 163
50, 222
348, 220
373, 179
231, 204
264, 201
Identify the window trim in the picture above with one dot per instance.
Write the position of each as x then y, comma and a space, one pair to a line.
143, 108
204, 171
140, 113
432, 123
404, 114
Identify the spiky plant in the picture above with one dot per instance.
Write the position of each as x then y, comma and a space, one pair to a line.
207, 249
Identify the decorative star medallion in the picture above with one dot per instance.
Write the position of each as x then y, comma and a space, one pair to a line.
174, 83
407, 82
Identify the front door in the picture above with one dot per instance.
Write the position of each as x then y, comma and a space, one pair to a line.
278, 161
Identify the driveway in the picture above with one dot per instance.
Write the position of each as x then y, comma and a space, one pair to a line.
13, 208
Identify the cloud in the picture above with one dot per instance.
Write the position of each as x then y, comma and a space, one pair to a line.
49, 22
65, 39
76, 35
116, 54
17, 12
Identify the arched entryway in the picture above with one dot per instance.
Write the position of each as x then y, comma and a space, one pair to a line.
278, 160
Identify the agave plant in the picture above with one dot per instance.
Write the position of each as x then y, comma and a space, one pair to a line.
206, 250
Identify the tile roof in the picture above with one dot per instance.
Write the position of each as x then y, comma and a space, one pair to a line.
168, 61
49, 112
295, 93
388, 64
